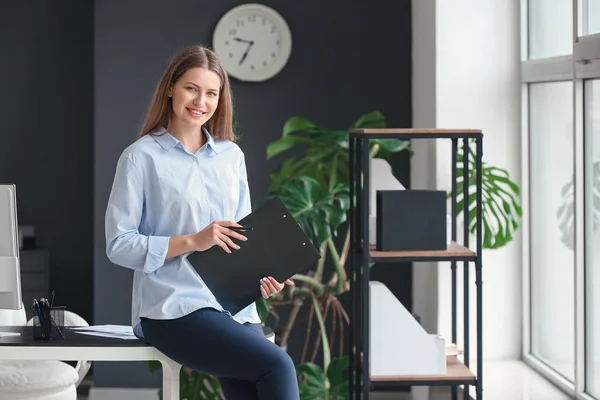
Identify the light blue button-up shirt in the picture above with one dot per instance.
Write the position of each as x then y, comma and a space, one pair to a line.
162, 190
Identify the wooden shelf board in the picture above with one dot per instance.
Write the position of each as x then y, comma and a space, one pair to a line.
454, 250
455, 371
398, 131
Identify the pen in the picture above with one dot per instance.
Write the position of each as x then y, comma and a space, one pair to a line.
36, 309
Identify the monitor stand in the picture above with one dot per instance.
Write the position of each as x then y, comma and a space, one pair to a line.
12, 312
12, 318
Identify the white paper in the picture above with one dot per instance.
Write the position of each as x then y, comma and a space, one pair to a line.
111, 331
105, 328
109, 335
9, 334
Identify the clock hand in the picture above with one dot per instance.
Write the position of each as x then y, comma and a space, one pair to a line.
242, 40
251, 43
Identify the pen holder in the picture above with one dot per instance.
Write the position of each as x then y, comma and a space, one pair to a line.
49, 323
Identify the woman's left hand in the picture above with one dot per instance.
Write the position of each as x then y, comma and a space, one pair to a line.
269, 286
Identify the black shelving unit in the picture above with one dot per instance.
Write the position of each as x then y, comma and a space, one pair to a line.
362, 254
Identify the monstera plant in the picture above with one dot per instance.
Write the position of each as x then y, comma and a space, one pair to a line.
313, 183
501, 209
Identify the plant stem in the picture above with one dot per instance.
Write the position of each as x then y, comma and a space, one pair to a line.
339, 287
307, 333
333, 173
374, 150
345, 249
326, 351
300, 292
343, 258
296, 305
317, 285
321, 265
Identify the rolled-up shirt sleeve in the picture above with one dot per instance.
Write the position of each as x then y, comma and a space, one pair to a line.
125, 246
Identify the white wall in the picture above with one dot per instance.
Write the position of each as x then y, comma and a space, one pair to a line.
473, 64
423, 163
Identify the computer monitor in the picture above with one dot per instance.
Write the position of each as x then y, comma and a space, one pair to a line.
10, 271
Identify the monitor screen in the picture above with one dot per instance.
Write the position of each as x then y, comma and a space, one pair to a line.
10, 277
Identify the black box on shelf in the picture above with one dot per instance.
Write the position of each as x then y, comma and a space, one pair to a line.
411, 220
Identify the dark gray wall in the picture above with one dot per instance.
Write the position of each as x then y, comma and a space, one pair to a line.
348, 58
46, 81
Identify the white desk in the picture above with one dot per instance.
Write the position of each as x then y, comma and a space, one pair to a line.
77, 347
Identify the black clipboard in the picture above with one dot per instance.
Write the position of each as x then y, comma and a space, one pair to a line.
276, 247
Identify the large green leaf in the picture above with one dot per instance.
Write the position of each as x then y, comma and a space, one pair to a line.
338, 382
298, 124
193, 385
374, 119
324, 158
290, 169
314, 384
263, 309
283, 144
319, 211
392, 145
501, 211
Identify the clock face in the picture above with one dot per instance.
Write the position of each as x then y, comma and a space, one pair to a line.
253, 42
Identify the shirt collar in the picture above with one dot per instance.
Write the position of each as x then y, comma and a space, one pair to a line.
168, 142
210, 140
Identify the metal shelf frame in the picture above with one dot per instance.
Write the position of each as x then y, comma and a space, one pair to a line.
361, 255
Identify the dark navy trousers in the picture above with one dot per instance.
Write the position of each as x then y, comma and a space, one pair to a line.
248, 366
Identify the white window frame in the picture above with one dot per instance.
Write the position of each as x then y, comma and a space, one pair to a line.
583, 64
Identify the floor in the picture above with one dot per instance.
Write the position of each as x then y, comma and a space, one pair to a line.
509, 380
515, 380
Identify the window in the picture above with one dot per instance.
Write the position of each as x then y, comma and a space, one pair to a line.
561, 112
550, 27
592, 186
552, 255
589, 17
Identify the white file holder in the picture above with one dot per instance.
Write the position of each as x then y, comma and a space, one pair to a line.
399, 346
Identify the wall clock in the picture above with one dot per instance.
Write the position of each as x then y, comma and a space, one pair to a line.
253, 41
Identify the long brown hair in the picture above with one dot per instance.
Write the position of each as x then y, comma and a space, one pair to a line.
220, 125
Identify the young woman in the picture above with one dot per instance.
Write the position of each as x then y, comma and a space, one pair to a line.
176, 190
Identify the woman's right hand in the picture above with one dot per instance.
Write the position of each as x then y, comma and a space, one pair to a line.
218, 234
